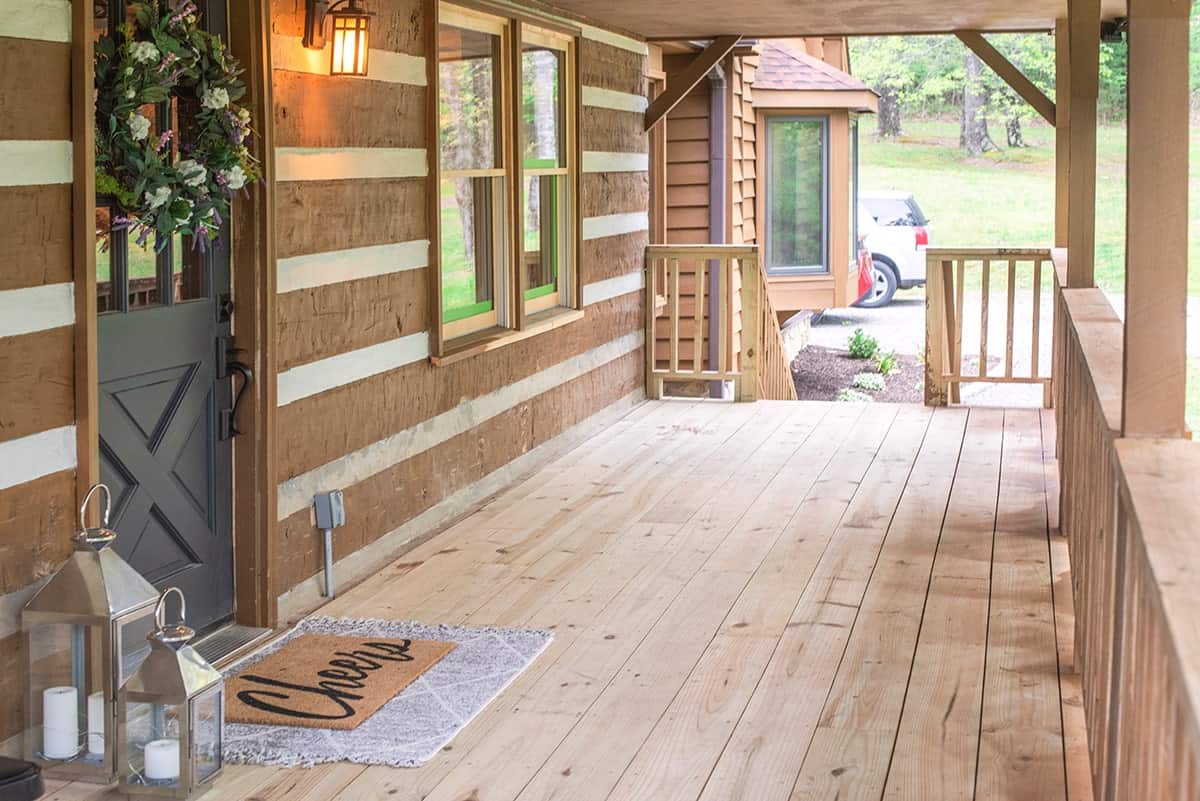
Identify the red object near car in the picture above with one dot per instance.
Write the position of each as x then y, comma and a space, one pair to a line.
866, 273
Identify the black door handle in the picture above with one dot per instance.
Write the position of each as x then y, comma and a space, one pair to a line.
229, 428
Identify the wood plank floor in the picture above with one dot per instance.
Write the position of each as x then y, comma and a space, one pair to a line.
767, 601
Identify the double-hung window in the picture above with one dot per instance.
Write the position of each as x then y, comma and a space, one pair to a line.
507, 175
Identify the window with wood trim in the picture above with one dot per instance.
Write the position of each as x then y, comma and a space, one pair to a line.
507, 174
797, 202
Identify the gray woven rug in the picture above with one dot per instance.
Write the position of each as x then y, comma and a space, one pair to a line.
411, 728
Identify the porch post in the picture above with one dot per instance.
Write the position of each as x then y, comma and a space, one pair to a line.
1156, 220
1062, 131
1084, 50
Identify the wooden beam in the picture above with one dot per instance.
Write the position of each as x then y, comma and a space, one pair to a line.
1156, 220
679, 85
1084, 25
83, 247
1062, 132
1009, 73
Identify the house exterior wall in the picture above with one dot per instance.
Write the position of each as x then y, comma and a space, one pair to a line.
37, 316
360, 406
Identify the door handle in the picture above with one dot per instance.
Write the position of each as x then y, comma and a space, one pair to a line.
229, 417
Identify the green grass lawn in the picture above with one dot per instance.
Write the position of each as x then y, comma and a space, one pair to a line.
1007, 198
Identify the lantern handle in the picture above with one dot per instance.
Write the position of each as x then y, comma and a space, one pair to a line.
160, 609
86, 498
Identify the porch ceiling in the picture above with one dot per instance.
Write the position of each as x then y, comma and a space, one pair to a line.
696, 19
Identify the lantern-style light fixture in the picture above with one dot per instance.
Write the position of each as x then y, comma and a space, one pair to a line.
351, 29
170, 714
85, 633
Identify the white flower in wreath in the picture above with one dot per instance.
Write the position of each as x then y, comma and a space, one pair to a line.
139, 127
216, 98
243, 116
129, 94
191, 172
158, 197
235, 177
143, 52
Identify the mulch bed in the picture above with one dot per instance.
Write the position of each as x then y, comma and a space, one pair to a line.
820, 372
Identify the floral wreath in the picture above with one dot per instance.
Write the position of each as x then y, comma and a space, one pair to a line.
163, 53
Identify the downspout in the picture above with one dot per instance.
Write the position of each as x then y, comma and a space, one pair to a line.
717, 202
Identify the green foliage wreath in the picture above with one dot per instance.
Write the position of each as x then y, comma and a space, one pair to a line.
186, 189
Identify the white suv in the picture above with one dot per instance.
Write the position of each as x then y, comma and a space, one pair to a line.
896, 231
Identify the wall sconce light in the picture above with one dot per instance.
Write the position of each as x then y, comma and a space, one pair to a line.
351, 34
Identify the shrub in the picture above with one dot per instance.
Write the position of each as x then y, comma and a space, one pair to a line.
853, 396
862, 345
869, 381
888, 363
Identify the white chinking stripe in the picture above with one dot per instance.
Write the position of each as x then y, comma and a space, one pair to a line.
44, 20
36, 162
618, 101
31, 457
597, 161
615, 224
333, 267
611, 288
614, 40
289, 55
36, 308
296, 493
354, 163
346, 368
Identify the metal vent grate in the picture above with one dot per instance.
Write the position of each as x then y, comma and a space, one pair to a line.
227, 642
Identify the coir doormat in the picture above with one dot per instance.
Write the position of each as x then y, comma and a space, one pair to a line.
328, 681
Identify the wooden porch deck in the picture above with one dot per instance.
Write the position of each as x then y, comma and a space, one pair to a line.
764, 601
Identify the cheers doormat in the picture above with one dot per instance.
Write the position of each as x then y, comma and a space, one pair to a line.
407, 730
328, 681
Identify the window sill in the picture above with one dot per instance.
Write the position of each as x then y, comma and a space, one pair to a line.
489, 339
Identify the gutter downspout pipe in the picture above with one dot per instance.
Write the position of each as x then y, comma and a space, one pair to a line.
717, 202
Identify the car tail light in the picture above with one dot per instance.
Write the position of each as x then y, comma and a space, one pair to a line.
922, 234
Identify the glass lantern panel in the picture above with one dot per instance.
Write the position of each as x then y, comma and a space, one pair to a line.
66, 666
152, 738
132, 644
207, 715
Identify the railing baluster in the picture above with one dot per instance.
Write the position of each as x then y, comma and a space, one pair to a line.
674, 325
1012, 302
725, 265
698, 315
1037, 315
986, 280
956, 351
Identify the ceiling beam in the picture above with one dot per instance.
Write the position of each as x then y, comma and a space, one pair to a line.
1009, 73
679, 85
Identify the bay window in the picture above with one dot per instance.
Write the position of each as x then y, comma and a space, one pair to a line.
506, 175
797, 202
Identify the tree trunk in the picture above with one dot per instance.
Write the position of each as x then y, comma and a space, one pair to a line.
889, 113
1016, 137
974, 136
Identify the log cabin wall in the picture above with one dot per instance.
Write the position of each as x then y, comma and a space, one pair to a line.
37, 332
360, 405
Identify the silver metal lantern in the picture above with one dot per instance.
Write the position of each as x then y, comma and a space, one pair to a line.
169, 715
85, 632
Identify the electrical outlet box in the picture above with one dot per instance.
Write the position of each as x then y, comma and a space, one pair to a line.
329, 510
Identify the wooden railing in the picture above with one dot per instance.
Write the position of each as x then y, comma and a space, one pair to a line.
1129, 510
684, 344
954, 278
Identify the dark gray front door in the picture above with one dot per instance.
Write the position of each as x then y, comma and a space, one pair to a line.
163, 327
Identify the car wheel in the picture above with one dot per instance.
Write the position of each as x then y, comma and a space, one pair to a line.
885, 286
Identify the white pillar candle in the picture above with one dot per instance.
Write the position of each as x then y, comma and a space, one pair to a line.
96, 723
162, 759
60, 722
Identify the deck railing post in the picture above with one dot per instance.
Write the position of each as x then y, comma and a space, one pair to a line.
653, 385
935, 335
747, 385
